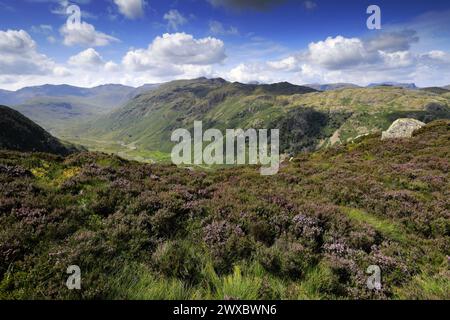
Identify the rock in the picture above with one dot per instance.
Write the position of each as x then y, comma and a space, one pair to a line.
402, 128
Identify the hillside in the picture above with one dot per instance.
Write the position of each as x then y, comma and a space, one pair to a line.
59, 107
307, 119
20, 133
142, 231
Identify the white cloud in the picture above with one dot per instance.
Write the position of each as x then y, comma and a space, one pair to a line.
436, 57
176, 49
287, 64
399, 59
132, 9
182, 56
174, 19
51, 39
19, 55
87, 58
111, 66
337, 53
85, 35
217, 28
60, 71
249, 72
354, 60
42, 29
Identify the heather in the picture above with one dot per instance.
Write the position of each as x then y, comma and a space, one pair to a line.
155, 231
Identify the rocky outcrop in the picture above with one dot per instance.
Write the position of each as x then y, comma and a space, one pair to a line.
402, 128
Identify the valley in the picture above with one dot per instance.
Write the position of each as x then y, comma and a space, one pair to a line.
136, 123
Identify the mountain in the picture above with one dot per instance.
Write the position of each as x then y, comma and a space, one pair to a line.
307, 119
143, 89
6, 97
447, 87
57, 107
331, 86
20, 133
22, 95
147, 121
411, 86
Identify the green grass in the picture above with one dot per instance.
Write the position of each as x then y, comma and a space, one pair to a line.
386, 227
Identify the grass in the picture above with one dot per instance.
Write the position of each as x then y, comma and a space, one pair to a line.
386, 227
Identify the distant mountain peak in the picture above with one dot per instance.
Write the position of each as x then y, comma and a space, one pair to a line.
331, 86
411, 86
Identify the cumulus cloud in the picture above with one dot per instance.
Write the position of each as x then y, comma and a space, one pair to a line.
398, 59
342, 59
172, 50
87, 58
85, 35
132, 9
174, 19
339, 52
111, 66
290, 64
19, 55
61, 71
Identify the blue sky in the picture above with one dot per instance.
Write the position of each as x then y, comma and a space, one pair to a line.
135, 41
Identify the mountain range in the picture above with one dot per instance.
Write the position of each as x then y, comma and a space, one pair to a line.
57, 106
308, 119
137, 122
411, 86
332, 86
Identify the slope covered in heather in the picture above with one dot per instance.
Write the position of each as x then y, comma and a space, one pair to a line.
142, 231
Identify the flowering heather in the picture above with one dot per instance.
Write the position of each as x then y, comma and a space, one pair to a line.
309, 232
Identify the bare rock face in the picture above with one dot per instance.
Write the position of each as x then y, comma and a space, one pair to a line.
402, 128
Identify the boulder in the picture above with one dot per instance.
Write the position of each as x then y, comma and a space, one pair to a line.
402, 128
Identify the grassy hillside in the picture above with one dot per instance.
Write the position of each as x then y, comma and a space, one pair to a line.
142, 231
307, 119
20, 133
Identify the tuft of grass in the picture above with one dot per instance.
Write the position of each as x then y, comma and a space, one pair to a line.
238, 286
138, 283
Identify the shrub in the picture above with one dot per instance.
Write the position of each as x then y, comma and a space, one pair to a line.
178, 259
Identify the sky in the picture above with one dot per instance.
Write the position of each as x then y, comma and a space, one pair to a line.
134, 42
